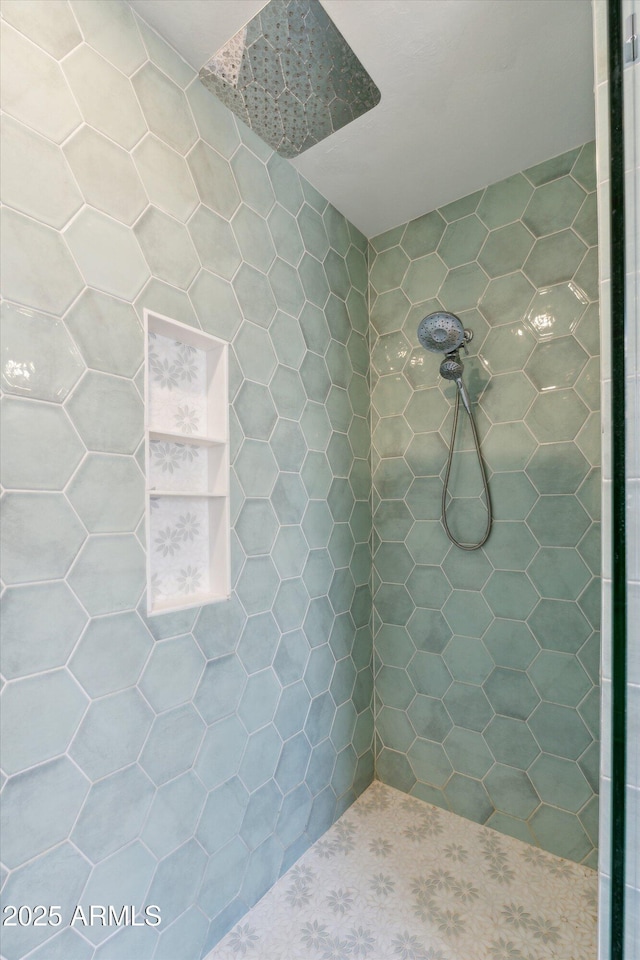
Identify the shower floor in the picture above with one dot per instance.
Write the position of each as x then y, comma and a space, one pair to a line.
398, 879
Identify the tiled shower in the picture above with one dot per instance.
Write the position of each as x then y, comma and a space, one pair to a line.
487, 695
187, 758
190, 759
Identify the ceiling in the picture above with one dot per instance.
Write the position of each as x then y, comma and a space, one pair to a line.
472, 92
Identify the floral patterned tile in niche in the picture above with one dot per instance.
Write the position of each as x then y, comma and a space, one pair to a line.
180, 546
177, 387
177, 466
398, 879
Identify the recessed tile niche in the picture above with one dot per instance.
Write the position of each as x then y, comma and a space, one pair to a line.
187, 466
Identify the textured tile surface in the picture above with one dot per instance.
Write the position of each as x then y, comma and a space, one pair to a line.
132, 734
272, 690
398, 878
484, 664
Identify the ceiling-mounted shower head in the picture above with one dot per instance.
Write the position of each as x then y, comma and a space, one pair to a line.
442, 332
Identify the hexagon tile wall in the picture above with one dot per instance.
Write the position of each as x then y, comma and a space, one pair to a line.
187, 759
487, 663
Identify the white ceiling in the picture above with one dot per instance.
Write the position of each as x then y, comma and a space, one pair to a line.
472, 92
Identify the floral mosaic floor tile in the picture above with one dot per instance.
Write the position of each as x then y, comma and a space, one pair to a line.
398, 879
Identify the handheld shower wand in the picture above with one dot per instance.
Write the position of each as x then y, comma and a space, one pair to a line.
444, 333
451, 368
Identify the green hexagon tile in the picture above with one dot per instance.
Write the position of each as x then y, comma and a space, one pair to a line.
229, 738
268, 699
482, 659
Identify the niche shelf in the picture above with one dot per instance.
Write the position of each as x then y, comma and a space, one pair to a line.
186, 466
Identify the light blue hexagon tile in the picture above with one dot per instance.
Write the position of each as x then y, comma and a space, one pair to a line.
267, 698
268, 695
497, 625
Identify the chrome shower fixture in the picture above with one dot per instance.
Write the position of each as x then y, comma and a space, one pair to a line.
291, 76
452, 368
443, 332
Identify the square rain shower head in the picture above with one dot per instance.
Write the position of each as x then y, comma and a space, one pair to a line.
290, 75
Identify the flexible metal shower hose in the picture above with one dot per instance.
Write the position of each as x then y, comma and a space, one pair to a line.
445, 488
